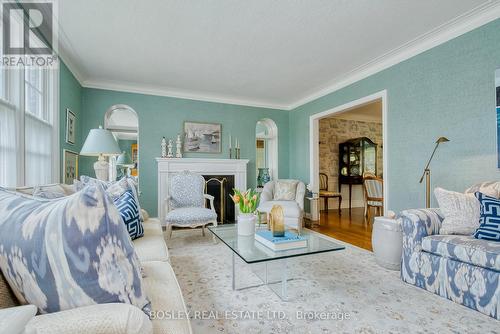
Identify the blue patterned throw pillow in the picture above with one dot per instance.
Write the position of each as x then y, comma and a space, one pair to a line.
68, 253
129, 210
489, 220
114, 188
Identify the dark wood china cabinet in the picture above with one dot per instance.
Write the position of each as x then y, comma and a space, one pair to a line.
356, 156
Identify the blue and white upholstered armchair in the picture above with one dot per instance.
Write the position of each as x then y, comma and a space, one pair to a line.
185, 205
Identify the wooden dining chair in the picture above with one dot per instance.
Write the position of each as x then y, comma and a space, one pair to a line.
326, 194
374, 195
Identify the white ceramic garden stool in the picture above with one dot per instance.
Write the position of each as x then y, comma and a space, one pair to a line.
387, 242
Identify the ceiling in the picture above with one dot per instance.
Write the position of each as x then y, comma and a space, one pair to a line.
370, 112
274, 53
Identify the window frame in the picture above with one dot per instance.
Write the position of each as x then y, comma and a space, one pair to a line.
14, 82
50, 105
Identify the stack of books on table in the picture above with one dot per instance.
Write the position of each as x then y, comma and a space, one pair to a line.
289, 241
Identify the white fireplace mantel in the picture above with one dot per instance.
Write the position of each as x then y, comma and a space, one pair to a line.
204, 166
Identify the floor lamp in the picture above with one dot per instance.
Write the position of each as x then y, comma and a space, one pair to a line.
427, 173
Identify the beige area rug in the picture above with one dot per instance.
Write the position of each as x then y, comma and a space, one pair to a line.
336, 292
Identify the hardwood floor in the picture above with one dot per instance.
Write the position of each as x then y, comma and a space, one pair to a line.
351, 228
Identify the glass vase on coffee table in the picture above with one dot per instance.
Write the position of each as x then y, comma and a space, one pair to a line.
277, 219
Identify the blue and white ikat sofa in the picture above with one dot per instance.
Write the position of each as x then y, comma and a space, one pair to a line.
461, 268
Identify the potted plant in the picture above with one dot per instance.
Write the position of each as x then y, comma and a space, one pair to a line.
247, 204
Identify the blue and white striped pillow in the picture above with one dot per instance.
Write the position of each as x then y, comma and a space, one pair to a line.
489, 220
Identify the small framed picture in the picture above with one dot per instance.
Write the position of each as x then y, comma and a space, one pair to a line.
70, 164
202, 137
70, 127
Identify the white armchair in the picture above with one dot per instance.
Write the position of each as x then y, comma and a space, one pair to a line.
185, 206
293, 205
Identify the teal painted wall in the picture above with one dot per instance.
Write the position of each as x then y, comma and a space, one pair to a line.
164, 116
70, 96
446, 91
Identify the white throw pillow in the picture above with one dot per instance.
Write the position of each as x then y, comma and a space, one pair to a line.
13, 320
285, 190
490, 188
461, 212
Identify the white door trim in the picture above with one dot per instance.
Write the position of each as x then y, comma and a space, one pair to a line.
314, 139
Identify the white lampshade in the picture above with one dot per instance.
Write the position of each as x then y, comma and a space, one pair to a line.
100, 142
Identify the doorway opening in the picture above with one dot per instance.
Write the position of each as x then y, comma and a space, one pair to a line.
348, 167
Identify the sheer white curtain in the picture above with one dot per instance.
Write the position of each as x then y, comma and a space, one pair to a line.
8, 145
38, 151
29, 131
39, 126
10, 122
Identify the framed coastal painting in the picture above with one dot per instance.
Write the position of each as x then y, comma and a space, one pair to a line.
70, 165
202, 137
70, 127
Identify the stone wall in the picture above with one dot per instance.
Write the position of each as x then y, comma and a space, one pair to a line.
332, 132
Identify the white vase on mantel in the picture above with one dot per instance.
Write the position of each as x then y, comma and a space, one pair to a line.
246, 224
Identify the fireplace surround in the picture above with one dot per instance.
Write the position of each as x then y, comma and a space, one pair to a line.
221, 186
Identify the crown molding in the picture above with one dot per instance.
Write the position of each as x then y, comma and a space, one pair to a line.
357, 118
460, 25
168, 92
63, 55
67, 53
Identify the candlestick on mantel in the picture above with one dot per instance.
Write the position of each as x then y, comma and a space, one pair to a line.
229, 141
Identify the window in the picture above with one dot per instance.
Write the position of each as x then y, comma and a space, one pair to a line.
8, 138
39, 125
29, 129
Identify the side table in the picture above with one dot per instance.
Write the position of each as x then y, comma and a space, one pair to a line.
314, 208
387, 242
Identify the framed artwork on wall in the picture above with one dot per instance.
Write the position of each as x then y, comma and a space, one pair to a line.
202, 137
70, 127
70, 165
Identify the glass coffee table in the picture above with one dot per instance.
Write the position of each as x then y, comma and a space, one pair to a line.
252, 252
